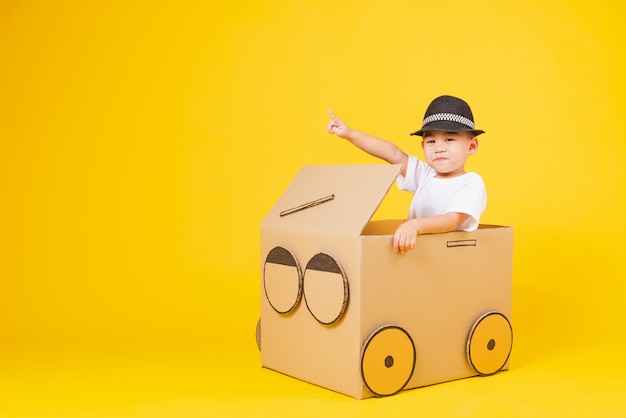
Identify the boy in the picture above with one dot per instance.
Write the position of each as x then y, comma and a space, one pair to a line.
446, 198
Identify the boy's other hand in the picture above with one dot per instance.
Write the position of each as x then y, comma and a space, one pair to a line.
405, 237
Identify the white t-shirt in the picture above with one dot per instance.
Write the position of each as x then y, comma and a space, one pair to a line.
435, 196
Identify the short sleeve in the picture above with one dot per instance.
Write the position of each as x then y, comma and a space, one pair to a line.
471, 199
416, 171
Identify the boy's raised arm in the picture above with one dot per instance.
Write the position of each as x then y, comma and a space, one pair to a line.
374, 146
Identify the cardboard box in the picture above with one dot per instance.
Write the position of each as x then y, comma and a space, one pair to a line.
342, 310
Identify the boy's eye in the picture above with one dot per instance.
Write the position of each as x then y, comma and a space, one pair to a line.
449, 139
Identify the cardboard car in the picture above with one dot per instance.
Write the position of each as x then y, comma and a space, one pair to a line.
342, 310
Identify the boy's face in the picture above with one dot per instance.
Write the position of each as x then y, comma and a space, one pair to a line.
446, 152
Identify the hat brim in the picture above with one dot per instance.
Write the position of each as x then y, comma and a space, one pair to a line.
447, 126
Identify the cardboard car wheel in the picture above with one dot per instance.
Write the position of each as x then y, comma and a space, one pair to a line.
258, 334
388, 361
489, 343
282, 280
325, 289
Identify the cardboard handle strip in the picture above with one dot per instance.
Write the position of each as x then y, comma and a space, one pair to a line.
461, 243
307, 205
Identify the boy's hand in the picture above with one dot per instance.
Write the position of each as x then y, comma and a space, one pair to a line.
405, 237
338, 127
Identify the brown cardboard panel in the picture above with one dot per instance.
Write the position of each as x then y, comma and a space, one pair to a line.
357, 191
366, 305
297, 344
436, 293
382, 227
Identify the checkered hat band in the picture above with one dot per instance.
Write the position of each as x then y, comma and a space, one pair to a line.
449, 117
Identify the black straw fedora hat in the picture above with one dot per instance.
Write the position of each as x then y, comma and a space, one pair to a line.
449, 114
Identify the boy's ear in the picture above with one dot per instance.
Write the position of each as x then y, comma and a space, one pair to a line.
473, 145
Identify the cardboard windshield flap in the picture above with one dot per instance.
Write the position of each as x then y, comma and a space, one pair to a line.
340, 309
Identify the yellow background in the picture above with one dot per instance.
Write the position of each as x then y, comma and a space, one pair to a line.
143, 142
